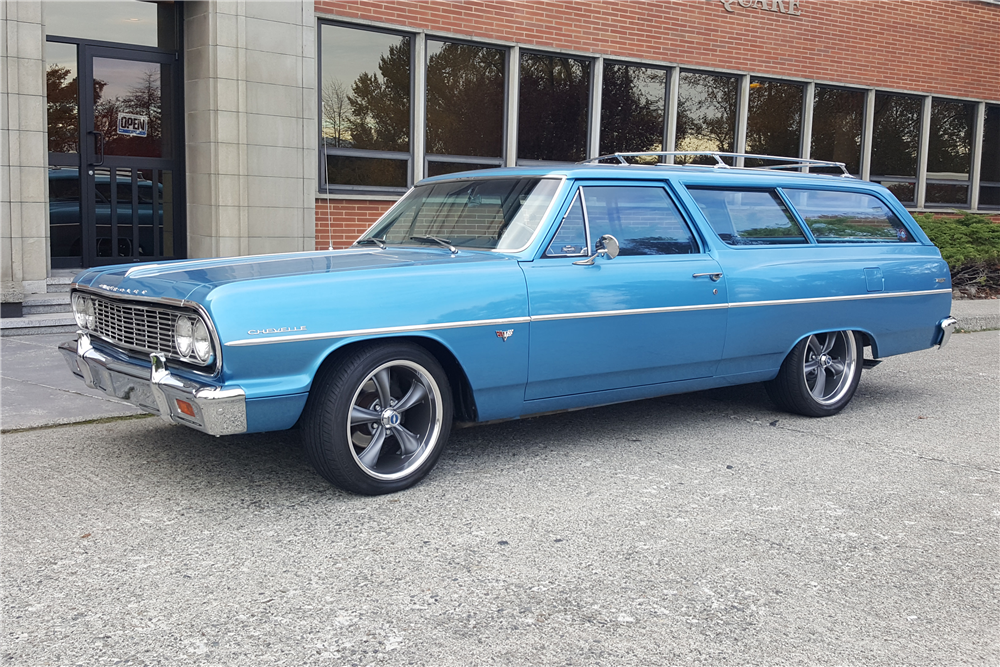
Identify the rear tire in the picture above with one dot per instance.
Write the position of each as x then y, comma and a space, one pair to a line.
378, 420
820, 375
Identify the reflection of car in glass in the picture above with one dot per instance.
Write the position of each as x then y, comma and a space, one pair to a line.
503, 293
65, 215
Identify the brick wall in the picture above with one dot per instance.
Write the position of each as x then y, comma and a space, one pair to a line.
339, 222
943, 47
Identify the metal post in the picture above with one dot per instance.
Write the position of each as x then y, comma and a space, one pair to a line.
808, 102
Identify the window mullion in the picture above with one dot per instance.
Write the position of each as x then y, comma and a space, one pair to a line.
419, 96
867, 138
513, 90
596, 90
922, 151
975, 173
742, 116
673, 91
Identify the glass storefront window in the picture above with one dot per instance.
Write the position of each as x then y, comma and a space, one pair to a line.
706, 114
989, 175
366, 107
123, 21
838, 119
633, 108
895, 144
465, 82
949, 152
553, 109
62, 99
774, 119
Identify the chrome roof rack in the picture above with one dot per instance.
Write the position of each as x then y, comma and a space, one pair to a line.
738, 158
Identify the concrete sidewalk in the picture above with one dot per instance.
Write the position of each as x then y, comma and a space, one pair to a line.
38, 388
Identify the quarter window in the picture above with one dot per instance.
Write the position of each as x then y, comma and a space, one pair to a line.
571, 239
848, 217
748, 217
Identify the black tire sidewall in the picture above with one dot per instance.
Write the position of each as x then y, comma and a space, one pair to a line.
325, 434
790, 391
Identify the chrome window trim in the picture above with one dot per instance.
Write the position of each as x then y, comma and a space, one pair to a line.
213, 370
414, 328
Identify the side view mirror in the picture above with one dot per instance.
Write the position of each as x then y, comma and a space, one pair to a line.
607, 245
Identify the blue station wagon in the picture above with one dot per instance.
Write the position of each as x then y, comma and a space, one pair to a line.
502, 293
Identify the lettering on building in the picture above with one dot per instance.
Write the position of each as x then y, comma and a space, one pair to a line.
791, 7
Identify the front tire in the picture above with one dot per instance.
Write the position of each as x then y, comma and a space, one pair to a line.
378, 419
820, 375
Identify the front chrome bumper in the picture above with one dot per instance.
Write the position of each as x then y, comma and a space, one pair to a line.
213, 410
947, 326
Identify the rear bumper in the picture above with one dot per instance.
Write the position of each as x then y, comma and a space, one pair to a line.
947, 326
214, 410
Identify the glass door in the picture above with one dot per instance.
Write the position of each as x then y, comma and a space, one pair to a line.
115, 156
130, 202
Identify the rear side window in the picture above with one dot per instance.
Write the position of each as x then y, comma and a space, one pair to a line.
748, 217
848, 217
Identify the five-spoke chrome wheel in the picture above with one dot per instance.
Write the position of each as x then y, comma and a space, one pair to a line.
828, 365
378, 418
820, 375
395, 419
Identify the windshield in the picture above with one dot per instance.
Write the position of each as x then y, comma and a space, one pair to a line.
487, 214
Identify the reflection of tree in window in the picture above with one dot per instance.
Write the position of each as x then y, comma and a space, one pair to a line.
554, 101
706, 114
380, 103
336, 111
63, 109
465, 92
142, 100
774, 121
632, 109
838, 116
950, 148
896, 135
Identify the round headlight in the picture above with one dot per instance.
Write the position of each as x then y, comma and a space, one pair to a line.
80, 310
88, 313
202, 341
184, 335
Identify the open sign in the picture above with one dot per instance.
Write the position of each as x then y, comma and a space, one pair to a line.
133, 125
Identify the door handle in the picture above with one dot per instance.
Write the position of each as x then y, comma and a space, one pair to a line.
715, 276
98, 146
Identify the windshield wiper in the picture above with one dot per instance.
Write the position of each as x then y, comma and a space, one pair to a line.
371, 239
434, 239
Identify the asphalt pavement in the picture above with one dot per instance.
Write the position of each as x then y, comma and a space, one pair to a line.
703, 529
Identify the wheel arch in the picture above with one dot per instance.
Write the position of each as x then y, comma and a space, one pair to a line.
865, 338
464, 399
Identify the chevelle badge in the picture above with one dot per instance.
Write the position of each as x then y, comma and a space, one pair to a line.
257, 332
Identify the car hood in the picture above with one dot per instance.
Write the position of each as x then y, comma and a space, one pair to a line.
185, 279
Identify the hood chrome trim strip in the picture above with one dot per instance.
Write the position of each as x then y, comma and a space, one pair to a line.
568, 316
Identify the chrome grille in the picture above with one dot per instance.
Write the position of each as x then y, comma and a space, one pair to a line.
136, 327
